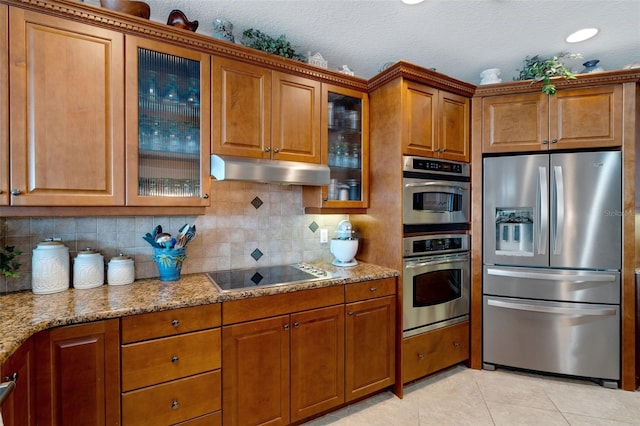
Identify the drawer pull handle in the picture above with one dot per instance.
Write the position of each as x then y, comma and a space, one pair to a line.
420, 357
373, 289
456, 344
175, 323
175, 404
175, 359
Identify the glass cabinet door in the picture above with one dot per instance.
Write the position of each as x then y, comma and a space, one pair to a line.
168, 136
347, 147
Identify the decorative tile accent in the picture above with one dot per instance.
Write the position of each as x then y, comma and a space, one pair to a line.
256, 254
256, 278
314, 226
256, 202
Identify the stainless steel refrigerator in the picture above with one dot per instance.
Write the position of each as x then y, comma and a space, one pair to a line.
552, 252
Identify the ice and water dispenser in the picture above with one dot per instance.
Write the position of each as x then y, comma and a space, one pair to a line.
514, 231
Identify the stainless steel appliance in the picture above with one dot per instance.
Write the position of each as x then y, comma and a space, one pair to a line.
435, 195
243, 279
436, 282
552, 254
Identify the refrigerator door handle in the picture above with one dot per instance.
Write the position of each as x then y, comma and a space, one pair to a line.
558, 232
552, 277
551, 309
543, 210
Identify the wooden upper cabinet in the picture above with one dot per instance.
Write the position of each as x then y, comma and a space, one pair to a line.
67, 112
241, 109
168, 124
295, 120
436, 123
4, 104
263, 114
570, 119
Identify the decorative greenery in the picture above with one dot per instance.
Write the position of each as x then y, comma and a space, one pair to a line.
8, 265
256, 39
538, 69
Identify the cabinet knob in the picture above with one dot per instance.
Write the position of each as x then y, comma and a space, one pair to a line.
175, 404
420, 357
175, 322
456, 344
286, 327
296, 324
373, 289
205, 196
276, 150
554, 141
175, 359
350, 313
12, 378
267, 149
545, 142
16, 192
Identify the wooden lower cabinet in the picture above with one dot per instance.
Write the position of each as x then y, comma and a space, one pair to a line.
171, 367
78, 374
370, 347
19, 408
435, 350
283, 369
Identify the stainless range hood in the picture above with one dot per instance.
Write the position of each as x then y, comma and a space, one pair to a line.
225, 167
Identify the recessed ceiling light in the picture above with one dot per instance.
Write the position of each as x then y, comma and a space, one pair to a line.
582, 35
412, 1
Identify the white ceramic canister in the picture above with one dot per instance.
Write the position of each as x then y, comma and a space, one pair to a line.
121, 270
88, 269
50, 268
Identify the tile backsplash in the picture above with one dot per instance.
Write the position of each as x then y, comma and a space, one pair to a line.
246, 225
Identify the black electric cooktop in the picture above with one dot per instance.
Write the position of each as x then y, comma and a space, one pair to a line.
240, 279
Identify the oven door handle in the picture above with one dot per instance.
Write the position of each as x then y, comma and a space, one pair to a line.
413, 265
551, 309
419, 184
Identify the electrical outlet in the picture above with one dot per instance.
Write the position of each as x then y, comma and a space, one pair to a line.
324, 235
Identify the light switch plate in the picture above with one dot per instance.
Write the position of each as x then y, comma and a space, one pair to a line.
324, 235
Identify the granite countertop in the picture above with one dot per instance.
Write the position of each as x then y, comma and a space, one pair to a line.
23, 314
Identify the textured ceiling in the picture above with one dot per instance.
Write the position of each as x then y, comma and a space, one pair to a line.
459, 38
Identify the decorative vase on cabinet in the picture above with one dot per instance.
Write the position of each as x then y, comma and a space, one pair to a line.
166, 167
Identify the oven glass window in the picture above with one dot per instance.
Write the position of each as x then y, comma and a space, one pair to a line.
433, 288
437, 201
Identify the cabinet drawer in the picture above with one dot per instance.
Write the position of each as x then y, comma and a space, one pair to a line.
169, 323
370, 289
169, 358
434, 350
173, 402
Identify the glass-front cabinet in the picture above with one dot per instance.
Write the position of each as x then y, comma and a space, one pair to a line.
346, 143
168, 132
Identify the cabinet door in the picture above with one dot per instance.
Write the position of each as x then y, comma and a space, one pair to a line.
317, 361
4, 104
78, 377
420, 106
67, 112
512, 123
255, 376
586, 118
241, 112
370, 348
168, 136
295, 118
453, 128
19, 408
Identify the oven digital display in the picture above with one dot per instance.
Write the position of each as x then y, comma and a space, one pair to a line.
440, 166
439, 244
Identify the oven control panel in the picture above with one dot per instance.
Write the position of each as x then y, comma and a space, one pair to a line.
435, 244
429, 165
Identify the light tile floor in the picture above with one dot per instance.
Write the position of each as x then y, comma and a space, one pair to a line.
462, 396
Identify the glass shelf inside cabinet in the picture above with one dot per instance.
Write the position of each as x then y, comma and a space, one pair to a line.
344, 149
168, 125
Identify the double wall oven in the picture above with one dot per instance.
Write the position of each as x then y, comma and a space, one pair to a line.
436, 273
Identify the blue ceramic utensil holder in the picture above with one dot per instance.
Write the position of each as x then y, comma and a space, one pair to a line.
169, 262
